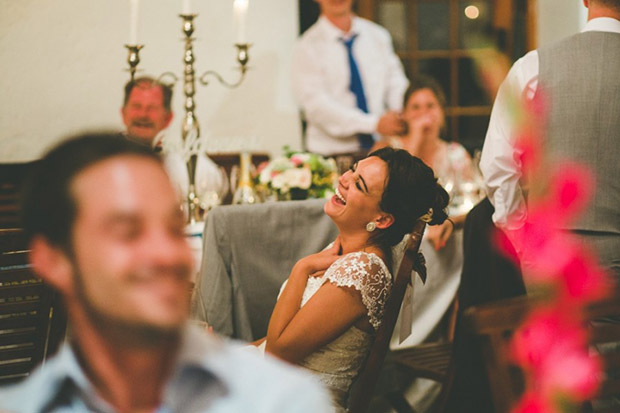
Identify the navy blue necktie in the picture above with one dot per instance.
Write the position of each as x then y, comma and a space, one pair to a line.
357, 88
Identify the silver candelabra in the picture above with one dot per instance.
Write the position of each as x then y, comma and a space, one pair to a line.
190, 130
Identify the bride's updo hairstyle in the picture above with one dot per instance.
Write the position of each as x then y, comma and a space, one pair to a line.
411, 193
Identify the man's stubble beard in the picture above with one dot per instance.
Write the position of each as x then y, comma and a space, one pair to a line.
132, 333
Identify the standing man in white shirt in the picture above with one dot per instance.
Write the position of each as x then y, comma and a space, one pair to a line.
331, 59
581, 80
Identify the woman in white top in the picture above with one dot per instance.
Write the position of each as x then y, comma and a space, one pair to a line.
332, 302
424, 112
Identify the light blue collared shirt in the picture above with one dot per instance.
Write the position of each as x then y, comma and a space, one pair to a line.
209, 376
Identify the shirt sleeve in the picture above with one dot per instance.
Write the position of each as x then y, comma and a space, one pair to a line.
320, 109
500, 160
396, 81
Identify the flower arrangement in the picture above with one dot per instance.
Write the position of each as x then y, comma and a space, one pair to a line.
297, 175
551, 346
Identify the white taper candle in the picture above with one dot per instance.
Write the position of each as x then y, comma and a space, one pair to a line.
240, 9
187, 7
133, 21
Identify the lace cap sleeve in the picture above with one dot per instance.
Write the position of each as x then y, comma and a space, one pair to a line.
368, 274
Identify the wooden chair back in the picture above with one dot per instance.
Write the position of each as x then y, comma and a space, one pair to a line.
495, 322
12, 176
32, 322
428, 360
367, 379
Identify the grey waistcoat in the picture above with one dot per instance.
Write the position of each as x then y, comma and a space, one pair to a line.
580, 76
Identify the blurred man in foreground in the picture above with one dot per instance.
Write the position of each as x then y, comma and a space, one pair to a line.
106, 231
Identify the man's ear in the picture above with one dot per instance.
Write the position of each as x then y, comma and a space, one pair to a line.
124, 117
385, 221
52, 264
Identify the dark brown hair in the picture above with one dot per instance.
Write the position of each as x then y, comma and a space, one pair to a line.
410, 192
48, 207
149, 82
425, 82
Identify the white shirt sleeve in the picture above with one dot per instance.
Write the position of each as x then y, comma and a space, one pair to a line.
396, 81
336, 119
500, 161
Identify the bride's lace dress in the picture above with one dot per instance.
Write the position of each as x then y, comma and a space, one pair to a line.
338, 363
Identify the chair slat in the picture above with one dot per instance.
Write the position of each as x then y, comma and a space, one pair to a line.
494, 323
609, 387
12, 355
605, 333
28, 331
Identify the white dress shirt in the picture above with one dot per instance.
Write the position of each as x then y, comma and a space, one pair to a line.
499, 162
321, 78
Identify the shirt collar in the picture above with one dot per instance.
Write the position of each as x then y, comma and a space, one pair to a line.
65, 378
602, 24
335, 33
158, 140
196, 357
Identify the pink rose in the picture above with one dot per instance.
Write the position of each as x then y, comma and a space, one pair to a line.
543, 330
534, 403
571, 372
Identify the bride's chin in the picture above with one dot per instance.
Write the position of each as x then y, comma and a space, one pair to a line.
331, 211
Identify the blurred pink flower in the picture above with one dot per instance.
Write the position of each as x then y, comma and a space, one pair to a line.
505, 246
584, 279
261, 166
297, 160
527, 146
551, 345
571, 188
543, 330
536, 107
571, 372
534, 402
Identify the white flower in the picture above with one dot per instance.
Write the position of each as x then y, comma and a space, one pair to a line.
331, 164
305, 178
279, 181
298, 178
281, 164
265, 175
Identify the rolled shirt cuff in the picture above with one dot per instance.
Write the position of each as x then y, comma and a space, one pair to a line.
369, 125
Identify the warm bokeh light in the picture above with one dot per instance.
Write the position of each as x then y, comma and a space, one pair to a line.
472, 12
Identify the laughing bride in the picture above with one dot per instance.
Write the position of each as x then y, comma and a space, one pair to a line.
332, 303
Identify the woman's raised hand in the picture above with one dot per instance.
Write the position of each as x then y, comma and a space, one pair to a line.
421, 126
316, 264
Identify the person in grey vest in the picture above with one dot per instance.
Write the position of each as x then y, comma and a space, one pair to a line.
580, 79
